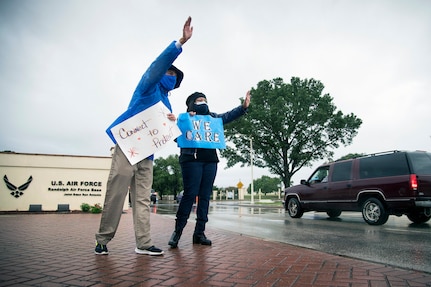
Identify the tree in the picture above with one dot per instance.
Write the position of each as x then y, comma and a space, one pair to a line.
351, 156
265, 184
167, 178
290, 126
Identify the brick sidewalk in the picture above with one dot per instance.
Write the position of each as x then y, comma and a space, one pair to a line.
57, 250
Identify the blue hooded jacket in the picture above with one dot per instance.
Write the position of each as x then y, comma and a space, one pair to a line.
149, 90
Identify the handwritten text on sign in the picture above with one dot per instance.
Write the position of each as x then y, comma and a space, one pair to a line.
200, 132
145, 133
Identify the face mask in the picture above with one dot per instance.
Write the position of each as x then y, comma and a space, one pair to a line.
201, 108
168, 82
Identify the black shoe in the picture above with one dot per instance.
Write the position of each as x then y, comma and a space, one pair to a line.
201, 239
175, 237
153, 250
101, 249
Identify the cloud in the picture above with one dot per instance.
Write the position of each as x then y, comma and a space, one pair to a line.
69, 68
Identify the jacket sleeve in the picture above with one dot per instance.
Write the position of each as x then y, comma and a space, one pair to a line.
155, 72
146, 92
231, 115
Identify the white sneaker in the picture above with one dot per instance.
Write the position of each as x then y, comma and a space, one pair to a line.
150, 251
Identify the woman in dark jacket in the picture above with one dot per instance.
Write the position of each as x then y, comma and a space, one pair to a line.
199, 169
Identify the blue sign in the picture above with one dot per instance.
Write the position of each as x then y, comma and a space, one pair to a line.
200, 132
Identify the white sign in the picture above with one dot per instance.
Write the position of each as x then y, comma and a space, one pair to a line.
145, 133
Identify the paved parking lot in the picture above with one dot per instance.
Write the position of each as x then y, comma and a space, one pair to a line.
57, 250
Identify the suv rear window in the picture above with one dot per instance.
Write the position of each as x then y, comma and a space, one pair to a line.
383, 165
421, 162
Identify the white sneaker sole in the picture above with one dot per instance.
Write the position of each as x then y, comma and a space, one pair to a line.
146, 252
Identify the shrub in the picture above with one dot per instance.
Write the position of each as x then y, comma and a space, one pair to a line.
97, 208
85, 207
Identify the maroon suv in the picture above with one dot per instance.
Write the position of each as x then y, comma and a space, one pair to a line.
378, 185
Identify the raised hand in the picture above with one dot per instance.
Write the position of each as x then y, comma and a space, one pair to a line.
187, 31
246, 100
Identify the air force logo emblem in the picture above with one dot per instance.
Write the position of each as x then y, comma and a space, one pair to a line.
17, 191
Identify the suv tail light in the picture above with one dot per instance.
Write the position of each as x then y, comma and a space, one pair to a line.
413, 182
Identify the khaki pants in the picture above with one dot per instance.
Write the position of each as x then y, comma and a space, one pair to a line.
139, 178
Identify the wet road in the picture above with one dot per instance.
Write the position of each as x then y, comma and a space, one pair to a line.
397, 243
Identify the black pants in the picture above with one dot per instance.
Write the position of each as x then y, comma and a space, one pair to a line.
198, 180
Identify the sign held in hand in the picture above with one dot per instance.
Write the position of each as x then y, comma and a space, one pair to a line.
145, 133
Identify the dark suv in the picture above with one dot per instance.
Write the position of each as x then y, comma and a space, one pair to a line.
378, 185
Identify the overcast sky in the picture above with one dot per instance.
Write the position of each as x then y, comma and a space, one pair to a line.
69, 68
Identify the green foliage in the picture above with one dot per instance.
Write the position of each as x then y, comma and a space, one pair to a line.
227, 188
265, 184
97, 208
351, 156
167, 178
290, 125
85, 207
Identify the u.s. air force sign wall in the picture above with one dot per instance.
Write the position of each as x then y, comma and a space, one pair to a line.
51, 180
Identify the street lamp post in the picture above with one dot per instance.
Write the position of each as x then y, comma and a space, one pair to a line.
251, 164
171, 181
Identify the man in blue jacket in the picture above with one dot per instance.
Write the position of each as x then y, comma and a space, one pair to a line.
154, 86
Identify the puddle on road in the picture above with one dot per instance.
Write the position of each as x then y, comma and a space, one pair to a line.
220, 208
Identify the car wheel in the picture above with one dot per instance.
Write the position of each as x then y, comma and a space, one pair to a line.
374, 212
417, 217
333, 213
294, 208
